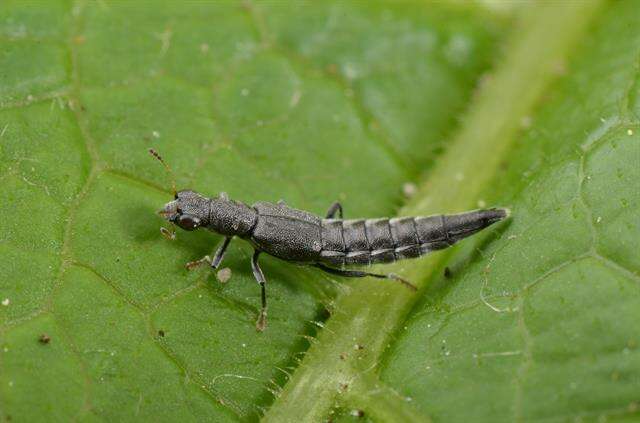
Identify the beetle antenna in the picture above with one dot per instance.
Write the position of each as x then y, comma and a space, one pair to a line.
155, 154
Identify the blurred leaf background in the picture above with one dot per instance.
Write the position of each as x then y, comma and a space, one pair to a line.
460, 104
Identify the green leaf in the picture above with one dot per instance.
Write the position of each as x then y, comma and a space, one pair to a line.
309, 103
534, 320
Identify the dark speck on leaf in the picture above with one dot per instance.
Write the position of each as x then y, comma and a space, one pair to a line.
447, 272
44, 339
161, 333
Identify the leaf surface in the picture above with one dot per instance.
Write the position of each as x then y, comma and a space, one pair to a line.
304, 103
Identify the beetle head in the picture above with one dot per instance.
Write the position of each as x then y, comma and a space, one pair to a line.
189, 210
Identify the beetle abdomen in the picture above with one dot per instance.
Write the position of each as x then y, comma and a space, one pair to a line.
363, 242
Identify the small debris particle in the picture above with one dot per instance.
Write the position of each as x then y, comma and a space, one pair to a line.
5, 302
358, 347
459, 176
295, 98
244, 345
409, 189
599, 219
223, 275
350, 72
629, 131
343, 356
44, 339
204, 47
245, 92
357, 413
482, 204
447, 272
155, 134
344, 386
512, 237
161, 333
10, 383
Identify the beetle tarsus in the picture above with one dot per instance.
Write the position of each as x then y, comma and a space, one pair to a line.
170, 235
362, 274
335, 207
196, 263
402, 281
261, 324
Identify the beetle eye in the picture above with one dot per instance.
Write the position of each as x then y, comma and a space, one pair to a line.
188, 223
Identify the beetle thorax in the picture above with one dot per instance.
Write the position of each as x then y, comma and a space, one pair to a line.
228, 217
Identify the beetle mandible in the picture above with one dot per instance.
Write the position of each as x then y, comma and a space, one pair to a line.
328, 244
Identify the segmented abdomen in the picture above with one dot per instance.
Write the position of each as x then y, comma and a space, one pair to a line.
363, 242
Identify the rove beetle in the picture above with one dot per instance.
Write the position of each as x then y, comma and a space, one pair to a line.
328, 244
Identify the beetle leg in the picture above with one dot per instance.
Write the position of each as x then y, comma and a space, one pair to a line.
281, 202
335, 207
217, 258
193, 264
261, 324
361, 274
170, 235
